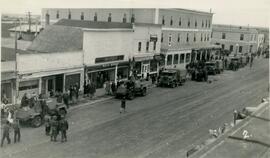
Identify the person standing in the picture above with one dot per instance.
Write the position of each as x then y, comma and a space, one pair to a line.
123, 105
113, 87
6, 130
66, 98
63, 124
54, 127
17, 131
47, 125
77, 90
251, 60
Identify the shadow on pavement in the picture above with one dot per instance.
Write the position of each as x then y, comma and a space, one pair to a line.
250, 140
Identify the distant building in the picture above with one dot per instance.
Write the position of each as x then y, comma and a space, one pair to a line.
265, 44
236, 39
24, 32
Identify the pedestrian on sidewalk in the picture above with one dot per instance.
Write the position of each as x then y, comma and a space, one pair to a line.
5, 135
47, 120
113, 87
92, 90
77, 90
17, 131
63, 124
54, 127
251, 61
66, 98
71, 94
123, 105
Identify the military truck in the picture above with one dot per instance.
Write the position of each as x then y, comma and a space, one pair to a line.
172, 77
212, 67
133, 87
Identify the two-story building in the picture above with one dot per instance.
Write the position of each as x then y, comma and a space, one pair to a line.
186, 34
236, 39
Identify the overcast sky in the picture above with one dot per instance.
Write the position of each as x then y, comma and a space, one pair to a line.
234, 12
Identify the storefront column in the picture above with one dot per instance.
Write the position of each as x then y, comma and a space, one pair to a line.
64, 82
39, 85
81, 81
115, 73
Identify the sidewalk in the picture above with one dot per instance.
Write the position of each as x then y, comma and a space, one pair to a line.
248, 139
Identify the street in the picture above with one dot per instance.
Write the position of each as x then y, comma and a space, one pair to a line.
165, 123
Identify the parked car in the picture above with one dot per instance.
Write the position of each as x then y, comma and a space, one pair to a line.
172, 77
234, 63
212, 67
132, 87
220, 66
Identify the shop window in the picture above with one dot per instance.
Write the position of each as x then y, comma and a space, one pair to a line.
132, 18
187, 38
153, 65
178, 38
170, 40
169, 60
163, 20
231, 48
171, 22
139, 46
95, 17
223, 35
138, 67
110, 17
82, 16
180, 22
182, 58
147, 46
57, 14
241, 37
72, 80
155, 45
187, 57
69, 14
122, 73
240, 49
175, 58
125, 18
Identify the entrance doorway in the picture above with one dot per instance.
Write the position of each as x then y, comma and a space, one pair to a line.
145, 69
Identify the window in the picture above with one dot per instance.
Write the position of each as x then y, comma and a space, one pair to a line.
125, 18
204, 37
202, 23
163, 21
95, 17
209, 24
110, 17
182, 58
205, 23
195, 23
194, 39
250, 48
82, 16
178, 38
201, 37
231, 48
147, 46
180, 23
170, 40
69, 14
132, 18
175, 58
208, 37
57, 14
211, 34
187, 38
171, 22
240, 49
187, 57
241, 37
188, 24
139, 46
169, 60
162, 37
223, 36
222, 46
155, 45
251, 38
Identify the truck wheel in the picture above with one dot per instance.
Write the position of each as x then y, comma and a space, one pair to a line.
36, 121
62, 112
144, 92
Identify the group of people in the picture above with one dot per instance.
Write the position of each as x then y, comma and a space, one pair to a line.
110, 87
89, 89
7, 129
55, 125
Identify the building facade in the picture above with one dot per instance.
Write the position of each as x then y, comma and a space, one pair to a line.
186, 34
236, 39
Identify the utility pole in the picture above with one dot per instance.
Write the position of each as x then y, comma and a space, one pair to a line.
29, 20
16, 66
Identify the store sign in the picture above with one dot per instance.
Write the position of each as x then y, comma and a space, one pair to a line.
153, 38
109, 59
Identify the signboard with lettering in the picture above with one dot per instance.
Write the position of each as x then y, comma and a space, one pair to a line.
109, 59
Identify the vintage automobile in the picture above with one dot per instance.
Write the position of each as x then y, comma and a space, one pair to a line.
212, 67
35, 115
172, 77
198, 71
234, 63
220, 66
130, 88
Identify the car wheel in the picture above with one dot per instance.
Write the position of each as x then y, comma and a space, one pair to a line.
36, 121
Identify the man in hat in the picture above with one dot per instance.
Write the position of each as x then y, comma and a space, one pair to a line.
6, 129
63, 124
54, 127
17, 131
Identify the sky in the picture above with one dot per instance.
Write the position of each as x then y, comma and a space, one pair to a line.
233, 12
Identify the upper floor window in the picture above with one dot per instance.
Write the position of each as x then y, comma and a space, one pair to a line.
155, 45
209, 24
201, 37
195, 23
69, 14
240, 49
222, 46
57, 14
163, 20
187, 38
110, 17
231, 48
223, 36
125, 18
205, 23
204, 37
178, 38
162, 37
188, 24
170, 40
147, 46
82, 16
194, 39
202, 23
242, 37
180, 22
171, 22
139, 46
132, 18
212, 34
208, 37
95, 17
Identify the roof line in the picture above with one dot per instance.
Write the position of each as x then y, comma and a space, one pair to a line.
86, 29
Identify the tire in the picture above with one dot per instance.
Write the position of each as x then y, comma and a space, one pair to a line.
144, 92
62, 112
36, 121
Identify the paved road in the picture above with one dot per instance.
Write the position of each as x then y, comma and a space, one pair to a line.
165, 123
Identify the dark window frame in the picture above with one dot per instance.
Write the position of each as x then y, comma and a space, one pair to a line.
174, 59
147, 46
139, 46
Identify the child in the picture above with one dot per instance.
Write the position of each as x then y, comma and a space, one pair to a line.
123, 105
